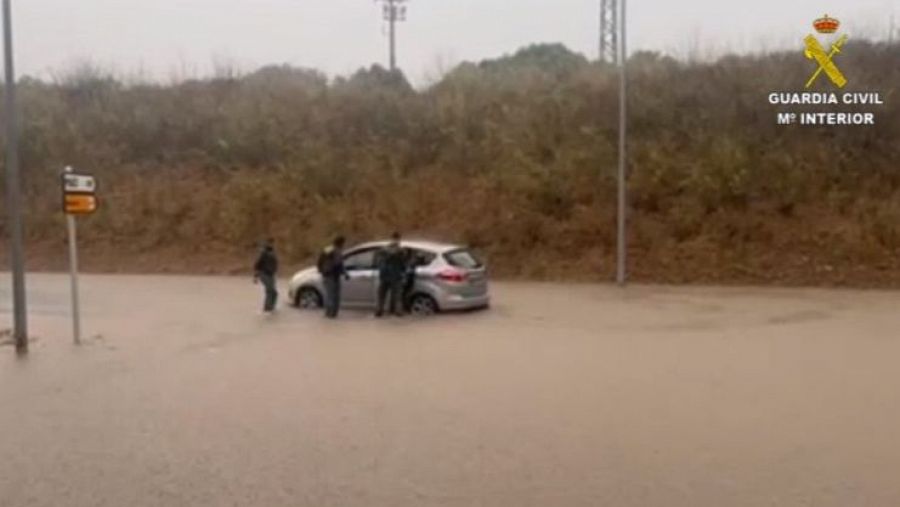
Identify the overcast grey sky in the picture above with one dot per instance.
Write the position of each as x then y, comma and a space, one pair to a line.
183, 38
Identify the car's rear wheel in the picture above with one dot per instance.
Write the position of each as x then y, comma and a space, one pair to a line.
308, 298
423, 305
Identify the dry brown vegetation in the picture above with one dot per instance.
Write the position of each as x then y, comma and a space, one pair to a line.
514, 156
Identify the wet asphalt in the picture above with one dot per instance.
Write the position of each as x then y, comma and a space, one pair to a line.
560, 395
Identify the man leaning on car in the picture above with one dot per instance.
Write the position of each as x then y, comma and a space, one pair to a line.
392, 267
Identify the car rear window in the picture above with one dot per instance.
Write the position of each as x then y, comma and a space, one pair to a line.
463, 259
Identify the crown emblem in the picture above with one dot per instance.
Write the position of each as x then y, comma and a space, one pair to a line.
826, 24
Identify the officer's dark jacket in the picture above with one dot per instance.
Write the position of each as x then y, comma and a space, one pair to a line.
267, 264
331, 263
392, 263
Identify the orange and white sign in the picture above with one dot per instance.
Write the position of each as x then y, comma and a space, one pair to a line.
80, 204
78, 194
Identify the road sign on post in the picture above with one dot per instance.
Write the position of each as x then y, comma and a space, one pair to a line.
78, 199
77, 204
78, 193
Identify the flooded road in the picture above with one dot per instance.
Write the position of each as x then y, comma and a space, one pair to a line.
183, 395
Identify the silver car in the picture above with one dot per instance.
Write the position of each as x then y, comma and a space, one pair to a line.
447, 278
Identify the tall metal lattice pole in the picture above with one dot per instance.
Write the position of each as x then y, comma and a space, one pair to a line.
394, 11
609, 22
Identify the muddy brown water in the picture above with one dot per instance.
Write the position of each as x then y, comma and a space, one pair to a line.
558, 396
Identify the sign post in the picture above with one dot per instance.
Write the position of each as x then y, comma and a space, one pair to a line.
78, 199
73, 266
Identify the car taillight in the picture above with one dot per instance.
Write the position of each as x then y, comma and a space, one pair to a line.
452, 276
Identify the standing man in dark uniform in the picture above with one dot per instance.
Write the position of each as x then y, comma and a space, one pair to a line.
409, 281
265, 270
331, 267
391, 273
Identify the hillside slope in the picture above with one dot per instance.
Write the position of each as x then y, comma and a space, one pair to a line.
514, 156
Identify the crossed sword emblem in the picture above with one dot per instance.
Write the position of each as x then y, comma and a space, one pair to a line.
815, 51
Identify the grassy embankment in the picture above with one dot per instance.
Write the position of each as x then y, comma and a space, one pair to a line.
514, 156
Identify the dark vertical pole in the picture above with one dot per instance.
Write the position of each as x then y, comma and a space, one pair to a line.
13, 190
621, 270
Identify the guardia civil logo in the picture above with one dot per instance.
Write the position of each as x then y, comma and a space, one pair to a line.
825, 60
832, 102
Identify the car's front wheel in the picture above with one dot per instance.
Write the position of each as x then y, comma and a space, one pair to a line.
423, 305
308, 298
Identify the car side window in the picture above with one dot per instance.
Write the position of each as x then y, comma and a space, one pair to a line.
420, 258
360, 261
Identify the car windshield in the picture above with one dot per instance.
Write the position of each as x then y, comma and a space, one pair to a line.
463, 258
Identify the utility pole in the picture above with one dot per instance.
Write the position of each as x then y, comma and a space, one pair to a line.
891, 31
394, 11
622, 261
14, 190
608, 32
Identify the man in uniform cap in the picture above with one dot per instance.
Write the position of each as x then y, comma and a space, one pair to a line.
331, 267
